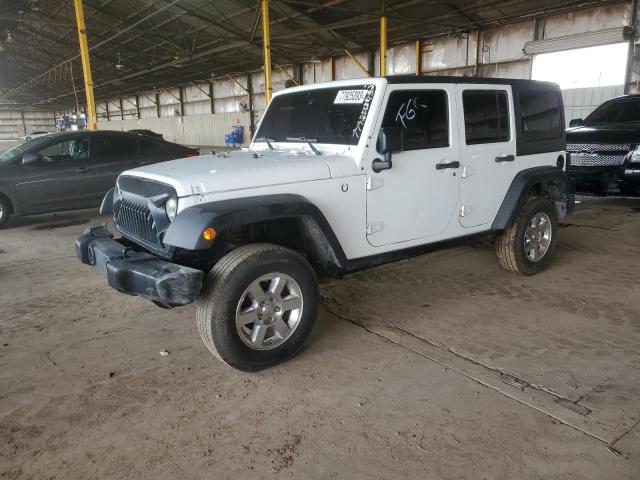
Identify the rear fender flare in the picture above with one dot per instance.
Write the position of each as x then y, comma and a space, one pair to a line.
552, 183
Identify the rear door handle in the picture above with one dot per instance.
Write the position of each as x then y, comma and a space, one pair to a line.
505, 158
82, 170
442, 166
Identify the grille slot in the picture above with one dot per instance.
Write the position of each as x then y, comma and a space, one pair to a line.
598, 147
595, 160
136, 222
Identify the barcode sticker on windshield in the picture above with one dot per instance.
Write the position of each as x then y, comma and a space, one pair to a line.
350, 96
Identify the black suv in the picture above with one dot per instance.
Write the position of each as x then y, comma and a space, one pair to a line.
603, 150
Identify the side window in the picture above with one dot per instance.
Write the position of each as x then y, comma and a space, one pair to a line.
486, 116
117, 148
541, 114
422, 114
146, 146
76, 149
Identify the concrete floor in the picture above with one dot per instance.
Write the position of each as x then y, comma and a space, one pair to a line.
441, 366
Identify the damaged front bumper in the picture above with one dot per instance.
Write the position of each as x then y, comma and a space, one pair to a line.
136, 272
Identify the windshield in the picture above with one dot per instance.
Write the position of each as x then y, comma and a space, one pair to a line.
20, 149
324, 115
616, 111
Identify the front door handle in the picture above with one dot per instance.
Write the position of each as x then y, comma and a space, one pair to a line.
442, 166
82, 170
505, 158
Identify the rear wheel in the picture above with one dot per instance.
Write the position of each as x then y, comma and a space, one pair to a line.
258, 306
528, 245
5, 211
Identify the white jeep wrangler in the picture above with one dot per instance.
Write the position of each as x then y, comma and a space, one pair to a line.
340, 176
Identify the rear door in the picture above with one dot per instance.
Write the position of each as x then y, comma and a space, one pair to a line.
64, 179
114, 154
488, 151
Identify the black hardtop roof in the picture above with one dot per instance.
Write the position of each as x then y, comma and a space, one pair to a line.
479, 80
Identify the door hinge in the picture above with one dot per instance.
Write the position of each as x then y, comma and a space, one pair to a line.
465, 210
466, 172
373, 227
374, 182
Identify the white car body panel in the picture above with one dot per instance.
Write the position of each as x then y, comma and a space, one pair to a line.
484, 181
416, 205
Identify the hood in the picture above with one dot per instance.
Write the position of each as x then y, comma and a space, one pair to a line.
605, 133
244, 169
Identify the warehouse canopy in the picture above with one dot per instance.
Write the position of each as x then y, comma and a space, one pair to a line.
161, 43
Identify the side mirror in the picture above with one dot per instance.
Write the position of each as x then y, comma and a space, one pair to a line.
389, 142
576, 122
30, 158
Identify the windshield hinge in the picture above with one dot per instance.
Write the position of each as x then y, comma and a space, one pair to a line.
374, 182
373, 227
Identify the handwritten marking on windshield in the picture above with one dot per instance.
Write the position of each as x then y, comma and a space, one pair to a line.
407, 111
357, 131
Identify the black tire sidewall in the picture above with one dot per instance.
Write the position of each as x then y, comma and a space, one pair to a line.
6, 211
223, 325
531, 208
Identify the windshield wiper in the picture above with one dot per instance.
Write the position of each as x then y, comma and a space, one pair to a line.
266, 139
307, 141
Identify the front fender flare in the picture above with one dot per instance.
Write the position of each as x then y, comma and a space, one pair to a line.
186, 229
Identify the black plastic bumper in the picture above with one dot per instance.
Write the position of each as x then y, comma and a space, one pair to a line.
138, 273
602, 180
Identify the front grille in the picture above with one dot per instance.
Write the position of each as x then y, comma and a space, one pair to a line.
136, 222
595, 160
598, 147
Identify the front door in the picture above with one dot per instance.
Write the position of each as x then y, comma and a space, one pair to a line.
417, 198
63, 179
488, 151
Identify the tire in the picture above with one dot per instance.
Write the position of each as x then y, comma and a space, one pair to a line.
227, 301
6, 209
510, 245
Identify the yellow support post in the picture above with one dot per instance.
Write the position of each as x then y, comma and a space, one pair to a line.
383, 38
266, 48
86, 65
418, 57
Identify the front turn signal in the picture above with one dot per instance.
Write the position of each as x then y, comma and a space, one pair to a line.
209, 233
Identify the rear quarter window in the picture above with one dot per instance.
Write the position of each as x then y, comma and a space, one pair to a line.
541, 114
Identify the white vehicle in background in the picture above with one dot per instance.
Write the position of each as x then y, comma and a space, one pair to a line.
35, 134
340, 176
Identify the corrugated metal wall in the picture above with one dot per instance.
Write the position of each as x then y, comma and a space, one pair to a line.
493, 52
13, 125
207, 129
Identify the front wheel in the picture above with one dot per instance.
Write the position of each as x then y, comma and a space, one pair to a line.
258, 306
528, 245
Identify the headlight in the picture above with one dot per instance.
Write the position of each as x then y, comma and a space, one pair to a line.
171, 207
634, 157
